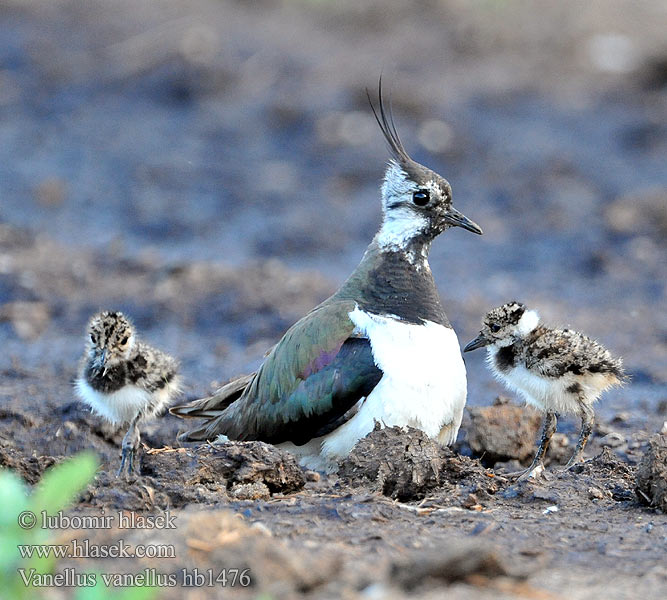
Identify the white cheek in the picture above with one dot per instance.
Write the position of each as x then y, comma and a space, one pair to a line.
528, 322
399, 227
396, 185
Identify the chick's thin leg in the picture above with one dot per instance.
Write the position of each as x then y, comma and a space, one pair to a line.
537, 466
129, 447
587, 420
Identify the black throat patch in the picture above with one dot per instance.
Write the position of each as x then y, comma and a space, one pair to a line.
113, 380
506, 358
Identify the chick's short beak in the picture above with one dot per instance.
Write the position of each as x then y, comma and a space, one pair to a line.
478, 342
457, 219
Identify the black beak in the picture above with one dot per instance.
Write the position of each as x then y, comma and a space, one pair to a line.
478, 342
103, 362
457, 219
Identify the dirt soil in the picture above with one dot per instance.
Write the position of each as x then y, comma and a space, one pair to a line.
212, 169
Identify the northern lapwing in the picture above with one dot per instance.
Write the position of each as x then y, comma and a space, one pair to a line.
555, 370
124, 380
381, 349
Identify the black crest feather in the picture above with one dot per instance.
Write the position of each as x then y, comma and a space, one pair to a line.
385, 120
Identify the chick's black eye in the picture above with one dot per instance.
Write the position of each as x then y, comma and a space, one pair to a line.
124, 341
495, 328
421, 197
93, 338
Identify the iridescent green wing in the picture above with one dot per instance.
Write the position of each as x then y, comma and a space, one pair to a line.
317, 372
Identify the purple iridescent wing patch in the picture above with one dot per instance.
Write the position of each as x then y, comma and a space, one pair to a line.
323, 359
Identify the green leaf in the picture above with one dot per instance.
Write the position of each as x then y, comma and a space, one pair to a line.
62, 483
14, 500
13, 496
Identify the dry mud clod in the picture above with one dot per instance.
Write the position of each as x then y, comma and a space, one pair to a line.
652, 474
30, 468
503, 432
405, 464
257, 464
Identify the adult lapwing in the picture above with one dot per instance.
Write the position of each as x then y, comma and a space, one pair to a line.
381, 349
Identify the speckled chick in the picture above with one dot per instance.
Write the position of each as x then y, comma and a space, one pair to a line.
124, 380
555, 370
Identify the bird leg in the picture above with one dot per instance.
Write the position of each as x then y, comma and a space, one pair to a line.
587, 420
537, 466
129, 447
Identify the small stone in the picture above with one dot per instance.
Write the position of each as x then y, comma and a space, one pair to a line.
470, 502
546, 494
313, 476
250, 491
613, 440
595, 493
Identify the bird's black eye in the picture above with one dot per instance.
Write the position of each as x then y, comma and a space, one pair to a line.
495, 328
421, 197
124, 341
93, 338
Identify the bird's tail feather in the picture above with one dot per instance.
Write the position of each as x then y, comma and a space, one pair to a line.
194, 435
211, 406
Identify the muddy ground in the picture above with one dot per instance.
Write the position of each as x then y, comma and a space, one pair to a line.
211, 168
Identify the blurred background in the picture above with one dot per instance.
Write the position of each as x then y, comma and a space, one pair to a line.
212, 168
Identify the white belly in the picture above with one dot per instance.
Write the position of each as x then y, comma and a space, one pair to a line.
118, 407
545, 393
423, 386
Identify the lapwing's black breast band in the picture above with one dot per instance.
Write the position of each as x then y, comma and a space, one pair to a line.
114, 379
387, 283
131, 372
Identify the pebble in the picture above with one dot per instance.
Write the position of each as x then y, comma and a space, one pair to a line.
621, 417
613, 440
596, 493
470, 502
250, 491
